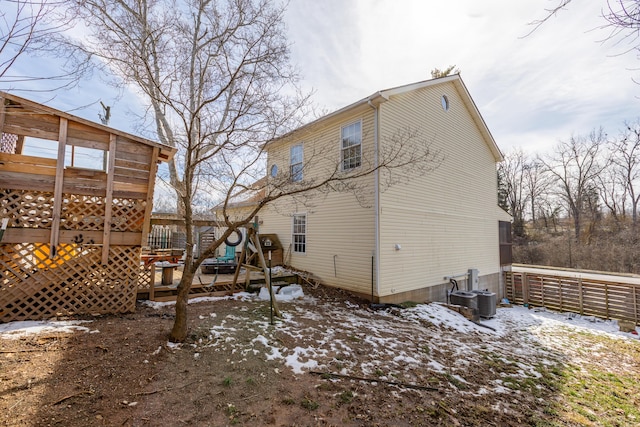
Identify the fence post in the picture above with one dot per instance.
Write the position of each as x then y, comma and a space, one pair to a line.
505, 275
635, 305
560, 292
525, 288
606, 299
580, 296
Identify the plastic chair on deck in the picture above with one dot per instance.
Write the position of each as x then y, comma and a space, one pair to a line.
229, 254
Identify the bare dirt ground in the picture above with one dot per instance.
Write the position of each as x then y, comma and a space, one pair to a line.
237, 369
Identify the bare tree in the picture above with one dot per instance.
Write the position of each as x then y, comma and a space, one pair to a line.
28, 28
549, 13
536, 183
575, 165
511, 170
219, 85
549, 211
621, 18
625, 155
451, 69
613, 191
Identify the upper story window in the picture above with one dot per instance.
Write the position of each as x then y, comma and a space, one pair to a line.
351, 152
296, 162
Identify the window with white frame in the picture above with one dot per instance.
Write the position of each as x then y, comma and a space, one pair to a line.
299, 237
296, 162
351, 152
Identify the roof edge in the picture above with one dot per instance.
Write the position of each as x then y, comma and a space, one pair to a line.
384, 95
166, 151
375, 98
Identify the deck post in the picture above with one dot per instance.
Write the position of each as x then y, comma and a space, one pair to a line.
59, 185
152, 283
153, 169
108, 200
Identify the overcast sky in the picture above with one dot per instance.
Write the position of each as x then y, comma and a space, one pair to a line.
532, 91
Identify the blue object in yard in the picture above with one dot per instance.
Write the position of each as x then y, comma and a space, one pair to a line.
223, 264
229, 254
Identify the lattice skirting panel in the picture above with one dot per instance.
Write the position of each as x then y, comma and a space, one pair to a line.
145, 278
28, 208
33, 287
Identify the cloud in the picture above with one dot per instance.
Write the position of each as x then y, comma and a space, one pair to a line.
543, 87
534, 90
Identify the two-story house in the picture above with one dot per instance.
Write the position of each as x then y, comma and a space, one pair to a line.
392, 241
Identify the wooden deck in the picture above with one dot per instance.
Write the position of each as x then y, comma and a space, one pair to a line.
208, 284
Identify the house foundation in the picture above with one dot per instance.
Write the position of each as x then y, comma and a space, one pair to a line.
438, 293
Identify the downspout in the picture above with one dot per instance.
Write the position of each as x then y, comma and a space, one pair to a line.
376, 202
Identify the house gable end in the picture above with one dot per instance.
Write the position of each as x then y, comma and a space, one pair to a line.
464, 94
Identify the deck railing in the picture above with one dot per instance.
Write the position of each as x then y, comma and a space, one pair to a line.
589, 293
163, 237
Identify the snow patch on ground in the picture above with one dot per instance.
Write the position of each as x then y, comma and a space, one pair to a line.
411, 345
31, 327
285, 293
237, 296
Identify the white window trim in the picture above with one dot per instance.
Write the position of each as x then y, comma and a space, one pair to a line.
306, 233
342, 149
291, 164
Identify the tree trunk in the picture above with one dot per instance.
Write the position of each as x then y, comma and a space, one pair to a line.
533, 209
179, 330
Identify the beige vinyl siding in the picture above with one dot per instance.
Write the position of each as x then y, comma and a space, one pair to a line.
445, 222
339, 226
235, 213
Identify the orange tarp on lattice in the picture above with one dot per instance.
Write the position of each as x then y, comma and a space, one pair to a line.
45, 260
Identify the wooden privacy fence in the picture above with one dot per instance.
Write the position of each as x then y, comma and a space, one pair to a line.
587, 293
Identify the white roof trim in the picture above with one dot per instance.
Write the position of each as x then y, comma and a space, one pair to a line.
384, 95
418, 85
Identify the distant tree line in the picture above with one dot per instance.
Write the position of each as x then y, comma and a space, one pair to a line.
577, 205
